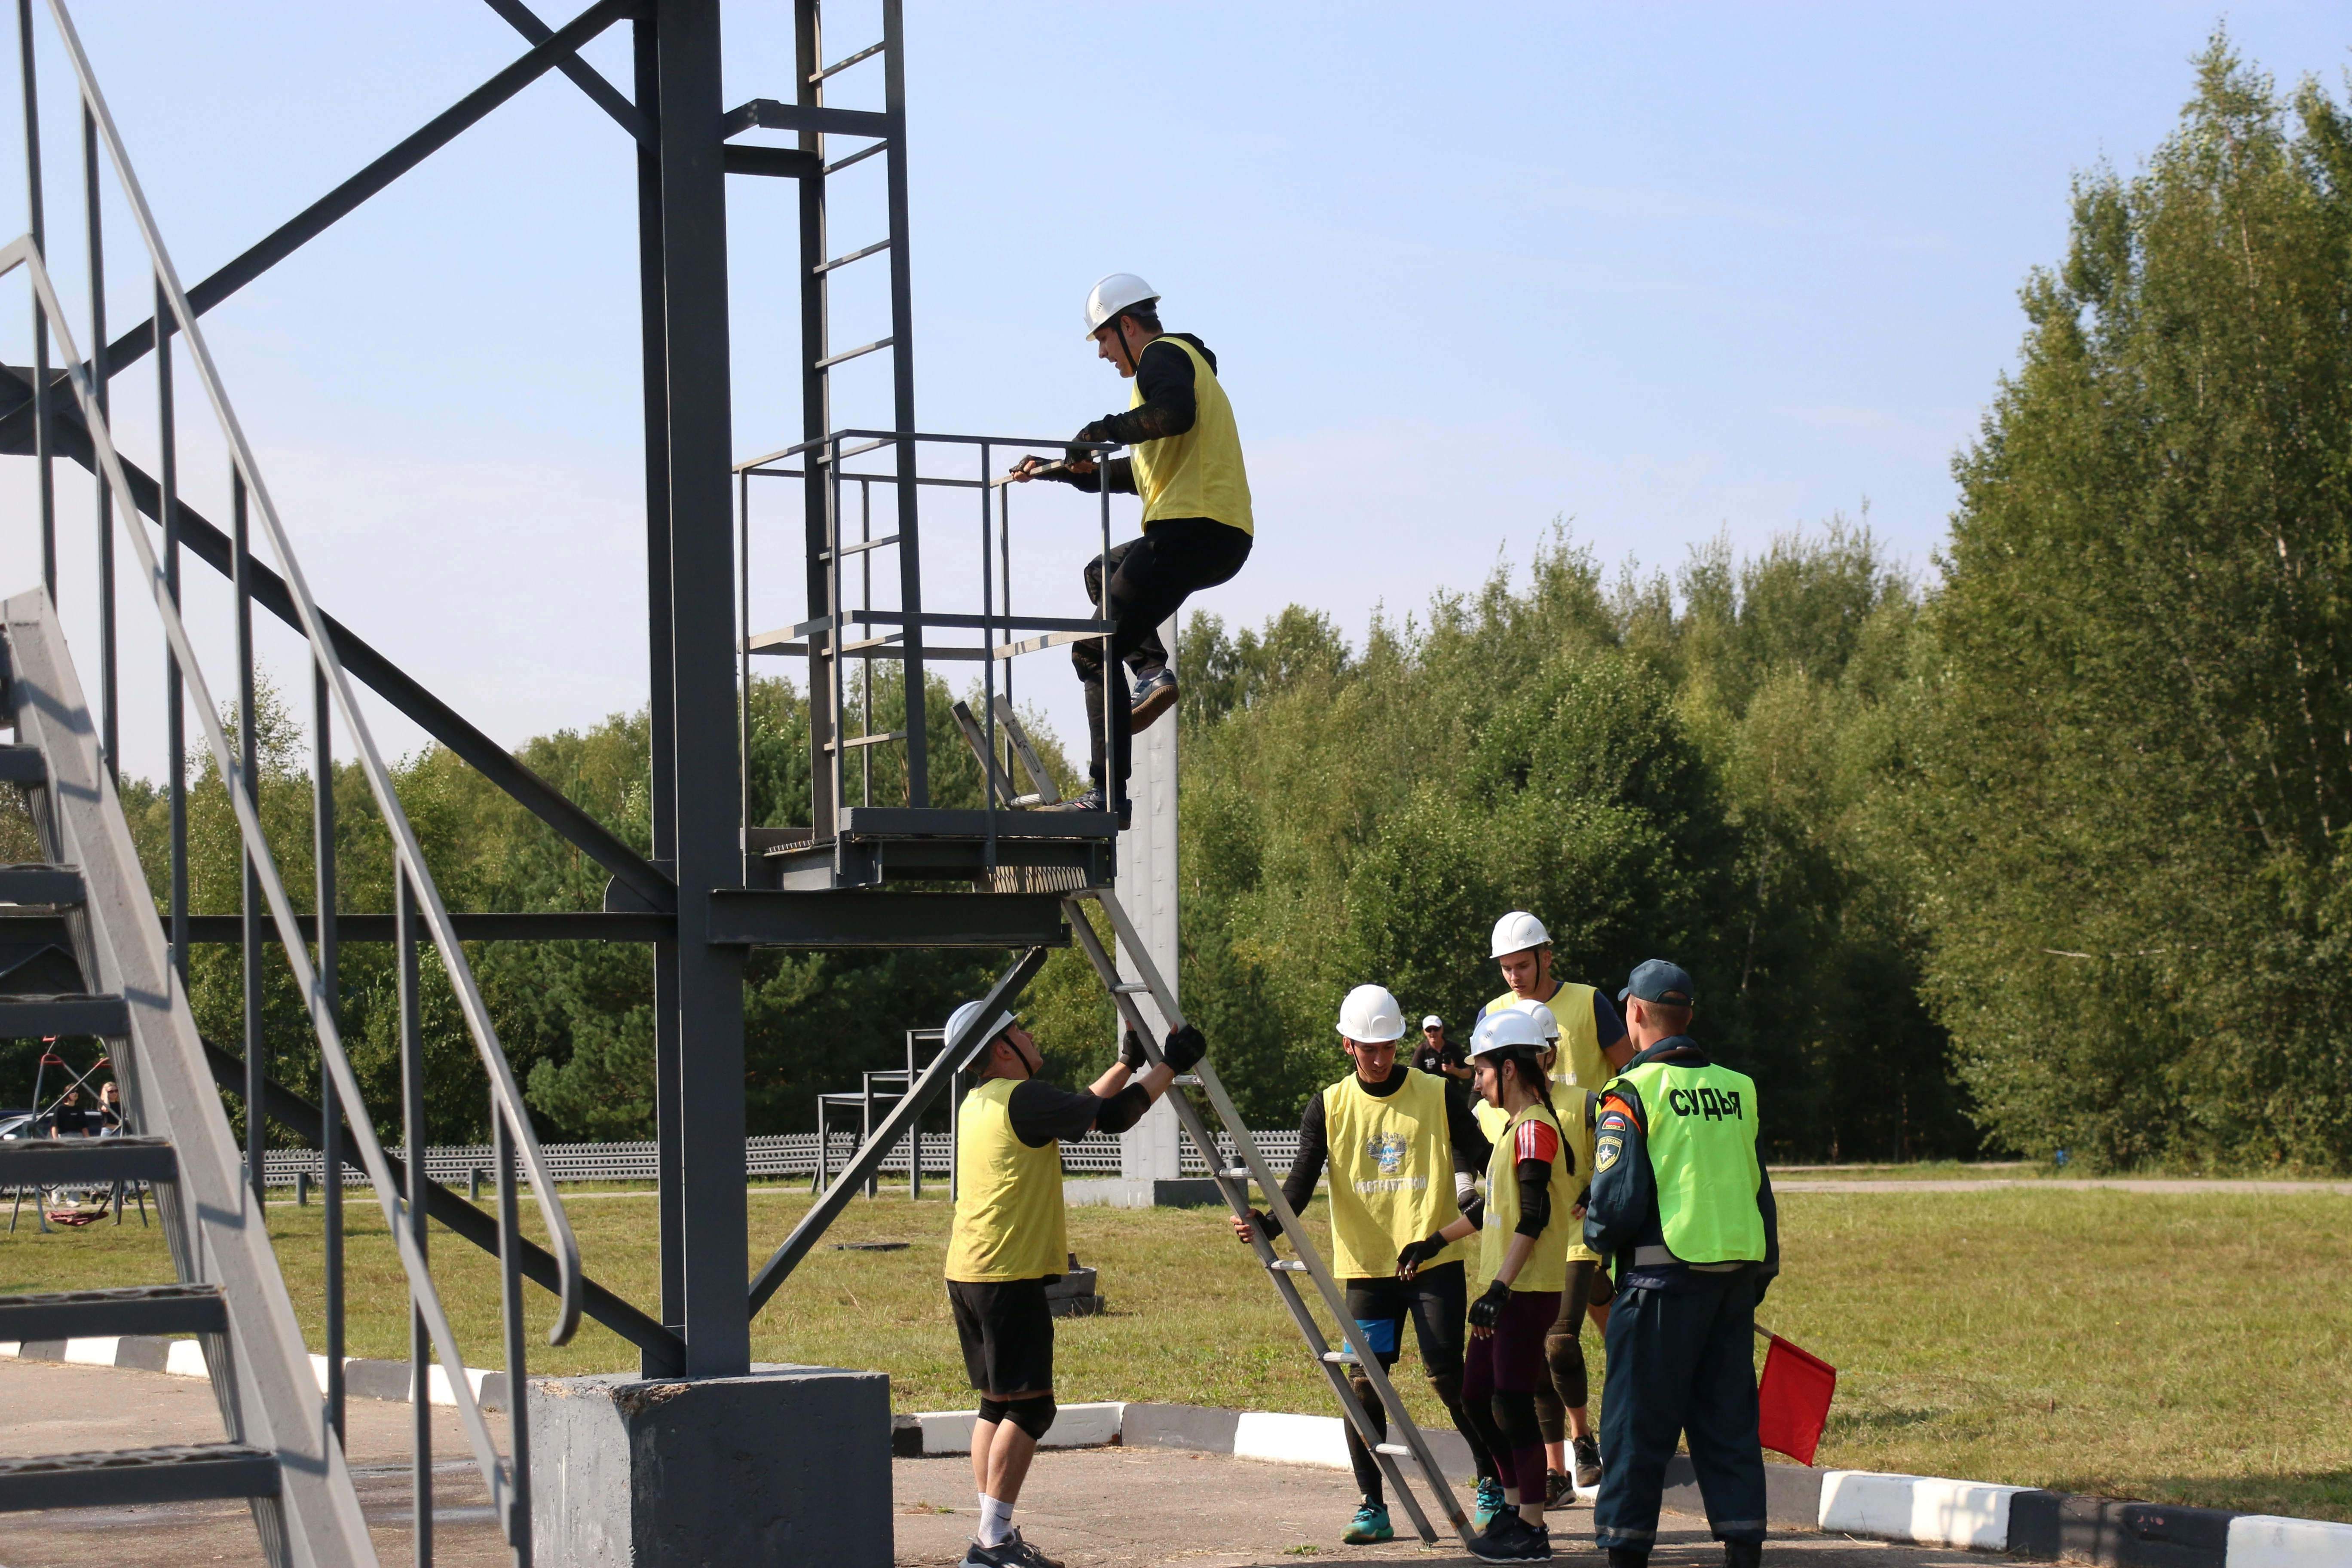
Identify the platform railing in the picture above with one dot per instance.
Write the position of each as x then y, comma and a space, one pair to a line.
422, 914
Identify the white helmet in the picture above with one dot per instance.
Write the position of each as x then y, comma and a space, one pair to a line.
1119, 291
1370, 1016
1517, 933
1543, 1016
1501, 1031
965, 1013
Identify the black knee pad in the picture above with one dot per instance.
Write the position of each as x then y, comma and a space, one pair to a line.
1447, 1386
994, 1409
1034, 1415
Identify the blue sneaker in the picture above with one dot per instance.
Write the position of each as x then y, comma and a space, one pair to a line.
1370, 1525
1154, 695
1489, 1503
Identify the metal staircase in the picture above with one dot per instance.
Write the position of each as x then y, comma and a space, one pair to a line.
93, 902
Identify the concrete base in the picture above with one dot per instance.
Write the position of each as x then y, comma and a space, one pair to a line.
1144, 1193
790, 1465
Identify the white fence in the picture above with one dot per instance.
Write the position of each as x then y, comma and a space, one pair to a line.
791, 1154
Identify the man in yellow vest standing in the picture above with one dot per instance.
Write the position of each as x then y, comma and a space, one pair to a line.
1681, 1201
1009, 1242
1185, 461
1592, 1046
1389, 1133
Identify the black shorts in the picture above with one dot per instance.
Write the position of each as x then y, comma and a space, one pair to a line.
1436, 1300
1007, 1331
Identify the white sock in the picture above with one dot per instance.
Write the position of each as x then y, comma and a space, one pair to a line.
995, 1520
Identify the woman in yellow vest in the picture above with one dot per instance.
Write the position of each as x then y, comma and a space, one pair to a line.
1591, 1047
1008, 1244
1389, 1133
1531, 1189
1185, 461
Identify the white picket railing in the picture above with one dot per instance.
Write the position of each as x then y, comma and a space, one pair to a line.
790, 1154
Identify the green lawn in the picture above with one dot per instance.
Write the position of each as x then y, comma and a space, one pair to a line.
2191, 1349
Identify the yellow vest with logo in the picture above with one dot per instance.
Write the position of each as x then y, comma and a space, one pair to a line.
1199, 473
1392, 1174
1699, 1125
1580, 1069
1546, 1266
1009, 1217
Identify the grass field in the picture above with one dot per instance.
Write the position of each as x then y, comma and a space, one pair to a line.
2193, 1349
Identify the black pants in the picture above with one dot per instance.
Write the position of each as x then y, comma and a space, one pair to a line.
1150, 577
1437, 1299
1681, 1362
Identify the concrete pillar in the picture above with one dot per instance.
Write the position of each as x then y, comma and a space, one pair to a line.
1147, 889
784, 1465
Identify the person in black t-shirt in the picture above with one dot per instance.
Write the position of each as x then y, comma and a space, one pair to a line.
72, 1118
1438, 1054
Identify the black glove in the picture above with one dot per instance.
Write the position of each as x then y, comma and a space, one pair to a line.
1487, 1309
1099, 430
1130, 1053
1413, 1254
1184, 1049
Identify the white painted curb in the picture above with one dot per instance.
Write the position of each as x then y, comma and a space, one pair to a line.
1292, 1439
1929, 1509
2263, 1540
1074, 1426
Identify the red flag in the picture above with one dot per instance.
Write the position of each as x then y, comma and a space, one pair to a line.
1793, 1404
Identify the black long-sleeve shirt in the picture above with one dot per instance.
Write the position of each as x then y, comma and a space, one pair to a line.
1043, 1114
1163, 373
1622, 1212
1462, 1130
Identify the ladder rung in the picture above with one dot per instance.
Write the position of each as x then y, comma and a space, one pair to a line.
1286, 1265
879, 246
1186, 1079
868, 740
1235, 1172
838, 165
1396, 1450
864, 643
1130, 988
860, 548
831, 360
867, 53
1339, 1355
1020, 800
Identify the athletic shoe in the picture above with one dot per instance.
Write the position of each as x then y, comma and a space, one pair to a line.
1370, 1524
1511, 1539
1488, 1503
1095, 800
1588, 1462
1154, 695
1743, 1554
1558, 1489
1010, 1552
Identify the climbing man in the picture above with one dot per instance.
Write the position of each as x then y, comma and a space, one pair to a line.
1682, 1202
1590, 1044
1008, 1244
1185, 461
1390, 1134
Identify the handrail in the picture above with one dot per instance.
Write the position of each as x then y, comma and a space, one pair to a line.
505, 1096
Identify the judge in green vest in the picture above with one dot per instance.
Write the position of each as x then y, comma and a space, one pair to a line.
1589, 1045
1008, 1244
1682, 1205
1185, 461
1390, 1134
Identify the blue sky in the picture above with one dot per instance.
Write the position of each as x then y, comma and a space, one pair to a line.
1663, 271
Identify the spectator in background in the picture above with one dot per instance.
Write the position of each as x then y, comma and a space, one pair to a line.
72, 1118
1438, 1054
110, 1110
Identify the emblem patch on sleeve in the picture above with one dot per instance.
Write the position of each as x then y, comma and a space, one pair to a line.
1606, 1152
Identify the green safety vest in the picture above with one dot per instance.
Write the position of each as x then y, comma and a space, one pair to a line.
1700, 1125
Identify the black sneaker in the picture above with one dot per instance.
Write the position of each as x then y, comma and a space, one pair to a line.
1559, 1488
1587, 1456
1010, 1552
1095, 800
1154, 695
1743, 1554
1510, 1539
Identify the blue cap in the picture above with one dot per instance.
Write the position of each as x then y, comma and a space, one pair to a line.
1658, 981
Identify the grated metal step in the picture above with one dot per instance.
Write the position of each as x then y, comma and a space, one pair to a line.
40, 885
86, 1162
195, 1472
131, 1310
23, 764
31, 1018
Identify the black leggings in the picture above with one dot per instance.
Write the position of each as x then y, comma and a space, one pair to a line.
1149, 579
1588, 1285
1438, 1300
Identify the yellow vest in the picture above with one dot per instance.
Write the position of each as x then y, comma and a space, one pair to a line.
1580, 1069
1547, 1267
1392, 1174
1009, 1218
1199, 473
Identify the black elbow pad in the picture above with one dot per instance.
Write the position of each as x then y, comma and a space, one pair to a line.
1123, 1109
